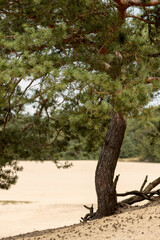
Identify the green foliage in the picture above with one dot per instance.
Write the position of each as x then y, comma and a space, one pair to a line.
74, 62
8, 174
149, 138
72, 142
130, 147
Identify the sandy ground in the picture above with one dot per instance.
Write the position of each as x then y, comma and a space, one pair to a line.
46, 197
134, 223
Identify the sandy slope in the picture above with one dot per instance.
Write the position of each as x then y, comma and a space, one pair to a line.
135, 223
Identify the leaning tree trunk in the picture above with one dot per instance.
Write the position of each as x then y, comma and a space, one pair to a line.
105, 185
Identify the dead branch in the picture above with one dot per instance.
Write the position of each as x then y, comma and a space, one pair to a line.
135, 192
143, 194
144, 183
115, 181
152, 185
88, 216
146, 194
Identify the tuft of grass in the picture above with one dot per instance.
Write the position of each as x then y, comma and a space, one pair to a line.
136, 159
5, 202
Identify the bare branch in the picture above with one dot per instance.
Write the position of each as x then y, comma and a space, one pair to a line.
152, 185
115, 181
147, 193
135, 192
28, 126
58, 132
124, 4
28, 87
141, 19
143, 184
89, 215
140, 3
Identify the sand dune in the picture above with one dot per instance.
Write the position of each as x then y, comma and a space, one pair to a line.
57, 197
134, 223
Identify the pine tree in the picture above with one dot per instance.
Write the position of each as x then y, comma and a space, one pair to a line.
87, 65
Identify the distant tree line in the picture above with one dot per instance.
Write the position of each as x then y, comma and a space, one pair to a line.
30, 138
143, 139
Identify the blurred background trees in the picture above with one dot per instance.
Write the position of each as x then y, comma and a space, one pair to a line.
32, 139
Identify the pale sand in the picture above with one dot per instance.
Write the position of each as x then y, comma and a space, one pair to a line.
134, 223
58, 195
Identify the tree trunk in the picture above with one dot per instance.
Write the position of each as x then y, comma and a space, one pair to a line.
105, 186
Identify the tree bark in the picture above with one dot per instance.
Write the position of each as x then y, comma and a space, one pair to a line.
105, 185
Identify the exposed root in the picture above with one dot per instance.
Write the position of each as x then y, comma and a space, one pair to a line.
88, 216
143, 194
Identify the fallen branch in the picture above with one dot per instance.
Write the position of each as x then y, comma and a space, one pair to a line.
146, 194
135, 192
143, 194
144, 183
88, 216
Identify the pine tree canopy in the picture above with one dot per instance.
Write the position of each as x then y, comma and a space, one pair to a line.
75, 61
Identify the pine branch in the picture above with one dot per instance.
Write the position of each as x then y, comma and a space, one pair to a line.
150, 79
154, 55
141, 19
124, 4
28, 126
140, 3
